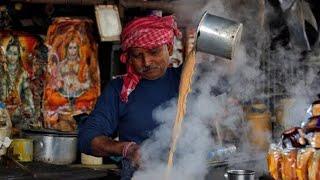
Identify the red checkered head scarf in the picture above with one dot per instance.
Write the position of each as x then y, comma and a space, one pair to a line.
147, 32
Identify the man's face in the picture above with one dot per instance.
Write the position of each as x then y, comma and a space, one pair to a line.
151, 64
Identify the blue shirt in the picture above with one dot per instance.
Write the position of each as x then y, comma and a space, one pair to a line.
133, 120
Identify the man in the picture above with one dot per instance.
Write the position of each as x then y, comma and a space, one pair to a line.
126, 105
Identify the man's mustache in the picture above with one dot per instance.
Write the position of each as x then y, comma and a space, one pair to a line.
148, 68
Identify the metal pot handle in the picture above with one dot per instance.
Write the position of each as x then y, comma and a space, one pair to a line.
40, 143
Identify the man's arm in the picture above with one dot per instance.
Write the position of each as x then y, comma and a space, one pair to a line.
105, 146
94, 135
102, 122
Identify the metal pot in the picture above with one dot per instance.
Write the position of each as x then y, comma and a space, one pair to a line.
240, 175
54, 148
218, 36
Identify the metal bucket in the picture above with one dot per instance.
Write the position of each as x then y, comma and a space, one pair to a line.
218, 36
240, 175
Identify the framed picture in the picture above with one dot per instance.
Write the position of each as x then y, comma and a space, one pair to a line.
109, 24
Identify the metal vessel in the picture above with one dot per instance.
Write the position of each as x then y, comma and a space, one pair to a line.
54, 148
240, 175
218, 36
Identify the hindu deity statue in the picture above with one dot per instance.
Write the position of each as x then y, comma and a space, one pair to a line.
15, 90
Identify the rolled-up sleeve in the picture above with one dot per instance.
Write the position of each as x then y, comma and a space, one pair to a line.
103, 120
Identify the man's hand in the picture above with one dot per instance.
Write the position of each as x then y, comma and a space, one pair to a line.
105, 146
134, 155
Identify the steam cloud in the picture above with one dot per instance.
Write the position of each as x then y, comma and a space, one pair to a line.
257, 72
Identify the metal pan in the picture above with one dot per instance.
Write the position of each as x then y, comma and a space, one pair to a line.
240, 175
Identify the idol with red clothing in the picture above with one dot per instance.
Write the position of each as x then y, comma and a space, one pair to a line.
125, 106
